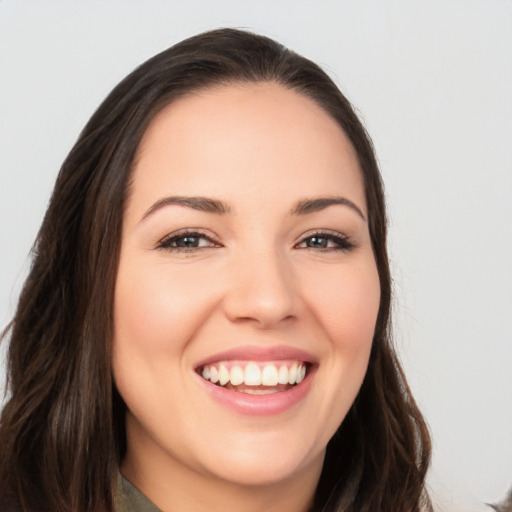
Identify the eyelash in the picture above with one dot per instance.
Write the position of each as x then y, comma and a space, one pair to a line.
166, 243
342, 242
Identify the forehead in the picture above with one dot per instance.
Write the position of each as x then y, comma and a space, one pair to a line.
244, 135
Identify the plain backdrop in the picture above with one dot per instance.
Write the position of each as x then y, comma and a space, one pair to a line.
433, 83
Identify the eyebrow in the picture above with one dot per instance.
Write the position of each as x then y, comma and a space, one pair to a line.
317, 204
202, 204
209, 205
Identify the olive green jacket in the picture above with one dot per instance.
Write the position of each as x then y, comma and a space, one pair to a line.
131, 499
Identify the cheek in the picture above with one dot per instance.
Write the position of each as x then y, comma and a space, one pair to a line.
347, 305
151, 301
156, 313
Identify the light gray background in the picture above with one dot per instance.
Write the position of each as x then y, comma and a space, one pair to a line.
433, 83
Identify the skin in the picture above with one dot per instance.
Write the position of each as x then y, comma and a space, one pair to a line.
257, 278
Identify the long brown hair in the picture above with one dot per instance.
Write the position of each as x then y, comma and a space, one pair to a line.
62, 428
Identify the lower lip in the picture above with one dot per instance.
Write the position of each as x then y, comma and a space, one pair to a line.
259, 405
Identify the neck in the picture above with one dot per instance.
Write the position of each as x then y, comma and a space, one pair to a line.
174, 487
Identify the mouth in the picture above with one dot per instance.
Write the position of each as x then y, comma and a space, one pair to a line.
255, 377
258, 381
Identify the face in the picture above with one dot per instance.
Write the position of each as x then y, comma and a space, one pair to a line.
247, 291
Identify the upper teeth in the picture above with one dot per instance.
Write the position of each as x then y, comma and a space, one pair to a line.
255, 374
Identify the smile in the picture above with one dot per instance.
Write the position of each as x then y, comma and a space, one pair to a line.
258, 381
255, 378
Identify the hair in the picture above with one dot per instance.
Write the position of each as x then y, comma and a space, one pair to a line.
62, 432
505, 505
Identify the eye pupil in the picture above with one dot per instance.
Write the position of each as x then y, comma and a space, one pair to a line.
317, 241
187, 241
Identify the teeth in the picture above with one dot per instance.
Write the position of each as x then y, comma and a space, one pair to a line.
236, 375
292, 374
257, 391
252, 375
283, 375
255, 374
301, 373
223, 375
269, 375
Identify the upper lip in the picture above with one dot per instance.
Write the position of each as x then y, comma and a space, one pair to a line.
258, 353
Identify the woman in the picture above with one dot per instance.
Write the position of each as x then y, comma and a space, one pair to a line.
206, 321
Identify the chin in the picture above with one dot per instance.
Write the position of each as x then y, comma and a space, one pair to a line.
255, 467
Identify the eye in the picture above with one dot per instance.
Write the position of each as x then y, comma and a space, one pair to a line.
326, 241
186, 241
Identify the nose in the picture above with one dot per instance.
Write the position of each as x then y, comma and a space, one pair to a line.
262, 290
